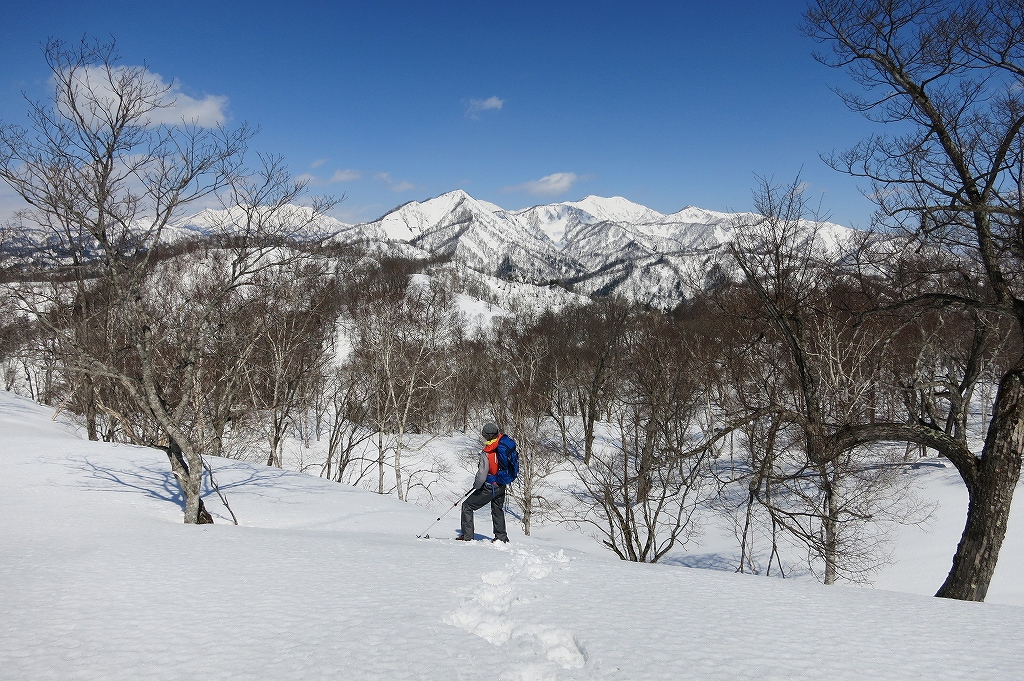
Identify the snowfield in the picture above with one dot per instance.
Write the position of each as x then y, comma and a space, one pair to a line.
99, 579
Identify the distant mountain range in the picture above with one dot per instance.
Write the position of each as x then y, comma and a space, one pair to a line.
596, 246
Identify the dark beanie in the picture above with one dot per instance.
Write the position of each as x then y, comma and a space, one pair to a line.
490, 431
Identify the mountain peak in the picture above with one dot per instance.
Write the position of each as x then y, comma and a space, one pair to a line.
455, 194
412, 219
617, 209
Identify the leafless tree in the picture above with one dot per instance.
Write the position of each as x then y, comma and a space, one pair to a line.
405, 335
516, 389
587, 345
348, 392
949, 75
811, 370
103, 182
640, 495
294, 343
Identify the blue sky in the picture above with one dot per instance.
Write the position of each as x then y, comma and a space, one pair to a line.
666, 103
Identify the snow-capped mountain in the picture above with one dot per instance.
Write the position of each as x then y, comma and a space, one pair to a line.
291, 221
478, 234
559, 219
595, 246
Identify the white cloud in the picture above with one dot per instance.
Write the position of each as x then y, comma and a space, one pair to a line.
317, 163
394, 185
549, 185
345, 176
207, 112
93, 83
338, 176
476, 106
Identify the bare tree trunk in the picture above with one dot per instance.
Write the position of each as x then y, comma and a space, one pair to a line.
398, 467
990, 495
590, 418
527, 516
89, 399
380, 462
191, 481
830, 522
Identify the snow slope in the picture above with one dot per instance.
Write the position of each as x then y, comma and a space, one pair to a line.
556, 220
100, 580
235, 220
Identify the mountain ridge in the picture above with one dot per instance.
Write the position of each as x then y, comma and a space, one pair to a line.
593, 246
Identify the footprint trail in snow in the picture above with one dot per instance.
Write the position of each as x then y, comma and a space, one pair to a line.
538, 650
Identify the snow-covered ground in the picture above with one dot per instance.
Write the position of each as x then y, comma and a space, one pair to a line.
100, 580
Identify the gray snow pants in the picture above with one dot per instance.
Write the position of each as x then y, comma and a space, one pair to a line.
493, 494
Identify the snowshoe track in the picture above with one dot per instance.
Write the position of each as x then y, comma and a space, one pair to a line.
537, 652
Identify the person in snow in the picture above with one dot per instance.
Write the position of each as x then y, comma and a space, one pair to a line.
486, 488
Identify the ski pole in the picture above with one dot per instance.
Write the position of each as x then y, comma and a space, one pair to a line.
421, 536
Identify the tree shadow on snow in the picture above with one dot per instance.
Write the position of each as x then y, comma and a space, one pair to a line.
145, 480
704, 561
726, 562
156, 481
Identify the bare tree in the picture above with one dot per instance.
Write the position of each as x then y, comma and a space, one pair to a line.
295, 340
641, 495
103, 183
951, 75
588, 344
348, 419
405, 336
516, 389
809, 370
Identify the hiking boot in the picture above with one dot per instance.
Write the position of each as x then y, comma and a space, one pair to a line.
462, 538
504, 541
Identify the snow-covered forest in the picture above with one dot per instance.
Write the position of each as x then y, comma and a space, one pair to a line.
790, 409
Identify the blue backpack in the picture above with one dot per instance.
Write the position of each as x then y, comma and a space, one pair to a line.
508, 461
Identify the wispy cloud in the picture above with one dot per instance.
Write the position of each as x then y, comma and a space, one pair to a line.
209, 111
338, 177
345, 176
555, 184
317, 163
394, 185
477, 106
